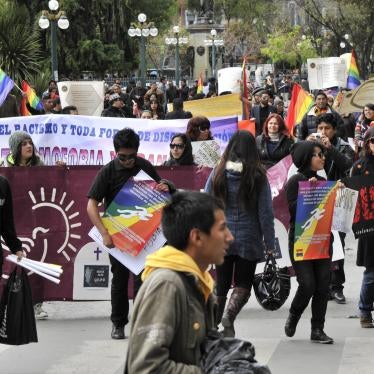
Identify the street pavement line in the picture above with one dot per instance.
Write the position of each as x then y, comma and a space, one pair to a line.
357, 357
264, 348
93, 357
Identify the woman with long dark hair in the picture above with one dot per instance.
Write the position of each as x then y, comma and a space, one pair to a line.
313, 276
240, 182
366, 118
365, 253
180, 151
275, 142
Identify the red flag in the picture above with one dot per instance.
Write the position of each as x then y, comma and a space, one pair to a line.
244, 91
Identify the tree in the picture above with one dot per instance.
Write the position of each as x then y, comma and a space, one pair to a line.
354, 18
289, 46
19, 43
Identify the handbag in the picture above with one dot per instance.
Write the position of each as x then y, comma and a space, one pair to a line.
272, 287
17, 318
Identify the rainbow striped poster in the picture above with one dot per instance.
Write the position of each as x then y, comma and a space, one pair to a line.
134, 215
315, 208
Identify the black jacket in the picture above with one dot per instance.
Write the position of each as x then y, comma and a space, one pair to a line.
339, 159
308, 124
7, 229
116, 112
179, 114
281, 150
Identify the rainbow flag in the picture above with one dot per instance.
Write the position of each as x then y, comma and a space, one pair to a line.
6, 85
244, 91
353, 80
200, 84
300, 104
32, 98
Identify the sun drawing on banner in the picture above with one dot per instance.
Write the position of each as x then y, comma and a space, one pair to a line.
64, 208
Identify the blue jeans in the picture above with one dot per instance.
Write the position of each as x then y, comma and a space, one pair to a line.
367, 293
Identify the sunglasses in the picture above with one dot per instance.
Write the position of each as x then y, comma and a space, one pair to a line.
203, 128
177, 146
371, 141
129, 157
319, 154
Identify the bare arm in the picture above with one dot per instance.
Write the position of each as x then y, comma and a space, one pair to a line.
94, 216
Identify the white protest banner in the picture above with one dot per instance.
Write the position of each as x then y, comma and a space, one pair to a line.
326, 72
88, 140
344, 209
87, 96
229, 79
206, 153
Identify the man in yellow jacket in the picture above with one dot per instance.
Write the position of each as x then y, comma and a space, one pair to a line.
173, 310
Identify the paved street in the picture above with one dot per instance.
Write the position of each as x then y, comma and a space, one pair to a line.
75, 339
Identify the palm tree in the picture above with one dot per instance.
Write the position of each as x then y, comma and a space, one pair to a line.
19, 43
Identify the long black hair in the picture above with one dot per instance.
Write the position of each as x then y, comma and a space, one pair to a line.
241, 147
34, 160
187, 157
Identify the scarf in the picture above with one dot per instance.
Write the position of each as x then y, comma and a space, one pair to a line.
171, 258
274, 137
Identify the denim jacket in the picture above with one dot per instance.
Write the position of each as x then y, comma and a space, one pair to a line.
253, 230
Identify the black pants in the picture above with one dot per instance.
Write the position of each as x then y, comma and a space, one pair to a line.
119, 292
242, 269
313, 277
338, 275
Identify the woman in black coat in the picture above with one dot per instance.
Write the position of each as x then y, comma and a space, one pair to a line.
313, 276
365, 253
180, 151
274, 143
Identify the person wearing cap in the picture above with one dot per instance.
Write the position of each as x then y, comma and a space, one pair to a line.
116, 108
338, 162
22, 151
308, 123
365, 254
313, 276
7, 227
261, 112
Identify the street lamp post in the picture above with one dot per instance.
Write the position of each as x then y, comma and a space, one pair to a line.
177, 41
143, 30
55, 18
213, 42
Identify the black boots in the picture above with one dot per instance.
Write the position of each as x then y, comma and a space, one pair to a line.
238, 299
291, 323
118, 332
319, 336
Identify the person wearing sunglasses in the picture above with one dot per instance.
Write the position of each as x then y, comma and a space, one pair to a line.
180, 151
313, 276
365, 253
339, 160
198, 129
108, 182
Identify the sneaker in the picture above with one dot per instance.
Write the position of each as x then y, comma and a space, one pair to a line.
319, 336
40, 313
118, 332
291, 324
366, 322
339, 297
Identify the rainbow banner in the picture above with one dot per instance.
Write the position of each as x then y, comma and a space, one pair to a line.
353, 80
6, 85
135, 214
315, 208
200, 85
300, 104
32, 98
